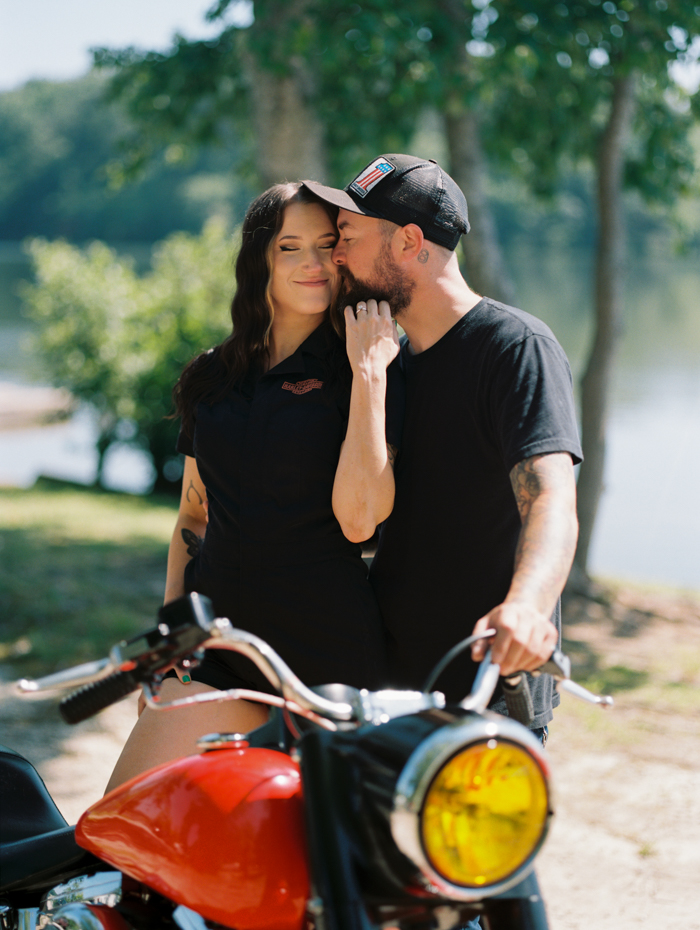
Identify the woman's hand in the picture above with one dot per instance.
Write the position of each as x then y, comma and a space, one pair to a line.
372, 341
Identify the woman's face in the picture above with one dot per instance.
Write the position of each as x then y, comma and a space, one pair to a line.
304, 279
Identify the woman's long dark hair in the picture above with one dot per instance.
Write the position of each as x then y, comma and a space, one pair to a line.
211, 375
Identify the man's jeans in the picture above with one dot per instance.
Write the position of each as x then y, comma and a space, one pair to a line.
541, 733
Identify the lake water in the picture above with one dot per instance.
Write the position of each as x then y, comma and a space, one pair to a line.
648, 527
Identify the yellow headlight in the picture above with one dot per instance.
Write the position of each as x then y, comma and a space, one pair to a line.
484, 813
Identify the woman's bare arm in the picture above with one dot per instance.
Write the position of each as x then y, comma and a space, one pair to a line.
363, 491
189, 529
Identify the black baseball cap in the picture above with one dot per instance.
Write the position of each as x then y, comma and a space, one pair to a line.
405, 189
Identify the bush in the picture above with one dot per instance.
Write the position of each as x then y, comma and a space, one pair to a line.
118, 341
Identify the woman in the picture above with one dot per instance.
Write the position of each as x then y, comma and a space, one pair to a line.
288, 467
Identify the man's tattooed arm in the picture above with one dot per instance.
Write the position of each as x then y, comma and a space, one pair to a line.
545, 493
193, 542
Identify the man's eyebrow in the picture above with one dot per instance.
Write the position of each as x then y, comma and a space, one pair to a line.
343, 223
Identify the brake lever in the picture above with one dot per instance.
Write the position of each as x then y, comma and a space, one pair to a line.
559, 667
184, 625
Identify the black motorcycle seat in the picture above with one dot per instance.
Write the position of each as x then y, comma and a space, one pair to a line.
41, 861
36, 843
27, 807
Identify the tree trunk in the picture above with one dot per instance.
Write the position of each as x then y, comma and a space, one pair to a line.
483, 259
289, 138
609, 287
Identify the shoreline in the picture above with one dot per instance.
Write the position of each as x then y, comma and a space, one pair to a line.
26, 406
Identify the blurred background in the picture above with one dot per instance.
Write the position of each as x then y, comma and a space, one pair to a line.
133, 135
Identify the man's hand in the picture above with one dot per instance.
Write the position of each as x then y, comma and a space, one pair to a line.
524, 640
372, 342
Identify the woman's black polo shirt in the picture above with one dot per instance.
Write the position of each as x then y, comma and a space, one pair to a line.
274, 558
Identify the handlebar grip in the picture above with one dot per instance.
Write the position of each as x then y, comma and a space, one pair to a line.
516, 692
90, 699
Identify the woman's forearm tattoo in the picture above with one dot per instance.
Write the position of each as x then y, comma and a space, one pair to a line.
193, 490
192, 541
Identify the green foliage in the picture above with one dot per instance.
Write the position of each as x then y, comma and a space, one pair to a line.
362, 62
559, 63
118, 341
58, 175
188, 97
538, 73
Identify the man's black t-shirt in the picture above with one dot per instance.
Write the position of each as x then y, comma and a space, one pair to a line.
494, 390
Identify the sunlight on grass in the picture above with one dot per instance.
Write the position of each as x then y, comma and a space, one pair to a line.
80, 570
67, 514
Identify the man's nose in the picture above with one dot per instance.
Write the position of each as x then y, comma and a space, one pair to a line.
338, 254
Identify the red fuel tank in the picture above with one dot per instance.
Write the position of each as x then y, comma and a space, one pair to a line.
221, 833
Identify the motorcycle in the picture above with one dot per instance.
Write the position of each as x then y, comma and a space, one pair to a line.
347, 810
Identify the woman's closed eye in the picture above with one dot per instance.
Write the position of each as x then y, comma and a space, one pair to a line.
293, 248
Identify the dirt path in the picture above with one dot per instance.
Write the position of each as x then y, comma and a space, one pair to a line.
624, 849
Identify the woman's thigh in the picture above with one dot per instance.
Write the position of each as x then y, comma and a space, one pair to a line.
163, 735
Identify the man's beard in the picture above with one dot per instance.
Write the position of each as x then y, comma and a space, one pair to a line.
388, 282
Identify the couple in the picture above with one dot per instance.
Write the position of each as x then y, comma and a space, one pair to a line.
310, 425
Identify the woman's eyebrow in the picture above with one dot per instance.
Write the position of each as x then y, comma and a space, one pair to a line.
328, 235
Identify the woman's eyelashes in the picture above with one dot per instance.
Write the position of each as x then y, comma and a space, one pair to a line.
293, 248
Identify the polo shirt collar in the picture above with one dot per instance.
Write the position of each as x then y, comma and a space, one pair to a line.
315, 344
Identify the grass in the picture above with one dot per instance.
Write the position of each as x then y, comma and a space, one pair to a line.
80, 569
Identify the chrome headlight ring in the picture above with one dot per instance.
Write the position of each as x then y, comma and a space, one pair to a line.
417, 776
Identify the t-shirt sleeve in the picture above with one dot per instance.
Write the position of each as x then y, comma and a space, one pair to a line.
395, 403
532, 401
185, 443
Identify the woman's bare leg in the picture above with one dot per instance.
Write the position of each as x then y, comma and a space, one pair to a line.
160, 736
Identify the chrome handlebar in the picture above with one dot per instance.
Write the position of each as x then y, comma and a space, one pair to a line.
361, 707
276, 670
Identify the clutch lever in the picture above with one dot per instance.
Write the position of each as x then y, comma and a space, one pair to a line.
559, 667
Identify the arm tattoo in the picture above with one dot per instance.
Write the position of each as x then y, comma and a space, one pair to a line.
192, 489
526, 483
545, 494
192, 541
391, 452
423, 256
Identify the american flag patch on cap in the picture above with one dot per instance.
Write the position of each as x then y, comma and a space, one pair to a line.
371, 176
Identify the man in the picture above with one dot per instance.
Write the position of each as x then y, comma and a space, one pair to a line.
483, 530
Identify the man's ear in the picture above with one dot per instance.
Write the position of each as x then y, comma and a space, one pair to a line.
411, 241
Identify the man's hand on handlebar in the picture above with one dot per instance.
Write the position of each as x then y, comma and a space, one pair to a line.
524, 639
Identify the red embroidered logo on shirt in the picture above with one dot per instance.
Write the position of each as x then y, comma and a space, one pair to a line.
302, 387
